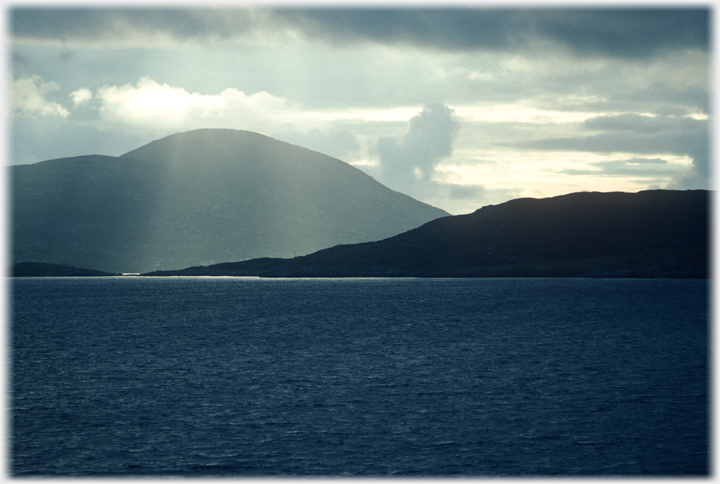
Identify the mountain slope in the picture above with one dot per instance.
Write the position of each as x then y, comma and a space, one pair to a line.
647, 234
199, 197
39, 269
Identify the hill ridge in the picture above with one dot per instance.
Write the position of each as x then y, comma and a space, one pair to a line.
652, 233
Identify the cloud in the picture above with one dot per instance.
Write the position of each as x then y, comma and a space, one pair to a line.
451, 29
38, 139
149, 108
429, 139
154, 106
345, 81
81, 96
634, 133
626, 32
466, 192
629, 33
29, 98
138, 27
643, 124
696, 178
636, 167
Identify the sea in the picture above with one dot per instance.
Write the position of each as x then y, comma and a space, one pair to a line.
388, 377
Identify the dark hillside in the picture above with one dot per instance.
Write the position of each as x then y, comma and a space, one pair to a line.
39, 269
655, 233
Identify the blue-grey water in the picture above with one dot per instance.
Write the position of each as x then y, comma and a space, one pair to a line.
359, 377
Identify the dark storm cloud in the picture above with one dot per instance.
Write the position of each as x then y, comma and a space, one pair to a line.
446, 29
627, 32
88, 24
612, 32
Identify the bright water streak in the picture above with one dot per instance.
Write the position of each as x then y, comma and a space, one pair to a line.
365, 377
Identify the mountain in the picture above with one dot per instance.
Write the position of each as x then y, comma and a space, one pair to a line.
655, 233
199, 197
40, 269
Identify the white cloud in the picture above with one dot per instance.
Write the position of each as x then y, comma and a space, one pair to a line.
81, 96
29, 98
155, 106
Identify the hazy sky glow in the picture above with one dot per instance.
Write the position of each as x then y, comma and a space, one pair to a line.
459, 108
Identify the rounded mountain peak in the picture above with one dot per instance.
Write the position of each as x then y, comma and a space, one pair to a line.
207, 145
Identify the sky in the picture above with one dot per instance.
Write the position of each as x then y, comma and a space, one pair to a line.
459, 107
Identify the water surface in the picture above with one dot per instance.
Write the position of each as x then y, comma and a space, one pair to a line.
359, 377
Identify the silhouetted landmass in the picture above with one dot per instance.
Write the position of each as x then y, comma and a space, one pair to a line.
40, 269
650, 234
199, 197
